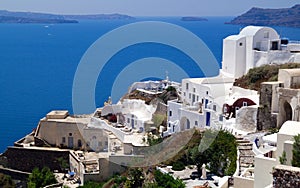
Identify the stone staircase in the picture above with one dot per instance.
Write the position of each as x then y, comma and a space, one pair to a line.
246, 157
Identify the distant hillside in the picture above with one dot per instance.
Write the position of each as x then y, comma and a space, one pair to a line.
30, 17
99, 17
289, 17
265, 73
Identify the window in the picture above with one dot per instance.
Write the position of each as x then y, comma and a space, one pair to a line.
237, 108
197, 98
214, 107
170, 113
70, 134
194, 90
106, 143
245, 104
190, 96
241, 44
183, 93
100, 143
187, 86
128, 120
206, 92
196, 123
63, 139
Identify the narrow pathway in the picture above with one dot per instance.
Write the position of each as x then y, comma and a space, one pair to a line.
246, 158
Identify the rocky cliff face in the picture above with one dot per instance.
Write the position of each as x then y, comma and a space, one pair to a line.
288, 17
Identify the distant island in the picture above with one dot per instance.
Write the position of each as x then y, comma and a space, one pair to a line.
289, 17
192, 18
99, 17
30, 17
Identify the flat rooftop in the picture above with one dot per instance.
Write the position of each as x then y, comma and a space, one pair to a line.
57, 114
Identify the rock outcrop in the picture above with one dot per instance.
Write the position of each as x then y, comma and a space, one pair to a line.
288, 17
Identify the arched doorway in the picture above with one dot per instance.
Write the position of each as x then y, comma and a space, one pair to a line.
185, 124
288, 112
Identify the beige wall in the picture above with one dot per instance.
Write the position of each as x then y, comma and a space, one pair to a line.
47, 131
75, 164
281, 138
242, 182
61, 133
285, 77
97, 139
288, 148
263, 171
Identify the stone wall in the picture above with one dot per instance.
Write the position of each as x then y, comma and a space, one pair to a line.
265, 118
286, 176
246, 119
25, 159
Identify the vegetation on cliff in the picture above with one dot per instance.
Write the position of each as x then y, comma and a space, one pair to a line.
169, 93
41, 178
220, 155
6, 181
139, 177
288, 17
265, 73
296, 151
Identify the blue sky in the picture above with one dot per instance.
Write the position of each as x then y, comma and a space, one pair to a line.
145, 7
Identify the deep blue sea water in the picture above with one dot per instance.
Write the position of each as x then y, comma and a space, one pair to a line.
38, 63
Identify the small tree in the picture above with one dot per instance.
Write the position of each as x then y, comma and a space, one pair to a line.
296, 151
283, 159
178, 166
221, 153
63, 163
41, 178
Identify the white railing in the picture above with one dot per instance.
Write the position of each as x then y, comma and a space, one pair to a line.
294, 42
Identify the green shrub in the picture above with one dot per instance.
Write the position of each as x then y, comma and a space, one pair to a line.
167, 181
41, 178
178, 166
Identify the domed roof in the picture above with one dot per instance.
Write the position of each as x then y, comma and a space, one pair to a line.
253, 30
250, 30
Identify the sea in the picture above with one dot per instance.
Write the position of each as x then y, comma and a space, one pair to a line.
38, 63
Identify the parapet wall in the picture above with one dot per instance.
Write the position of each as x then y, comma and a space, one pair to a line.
286, 176
15, 174
25, 159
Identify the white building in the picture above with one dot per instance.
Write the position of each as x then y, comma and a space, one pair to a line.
255, 46
132, 113
200, 105
265, 162
202, 99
